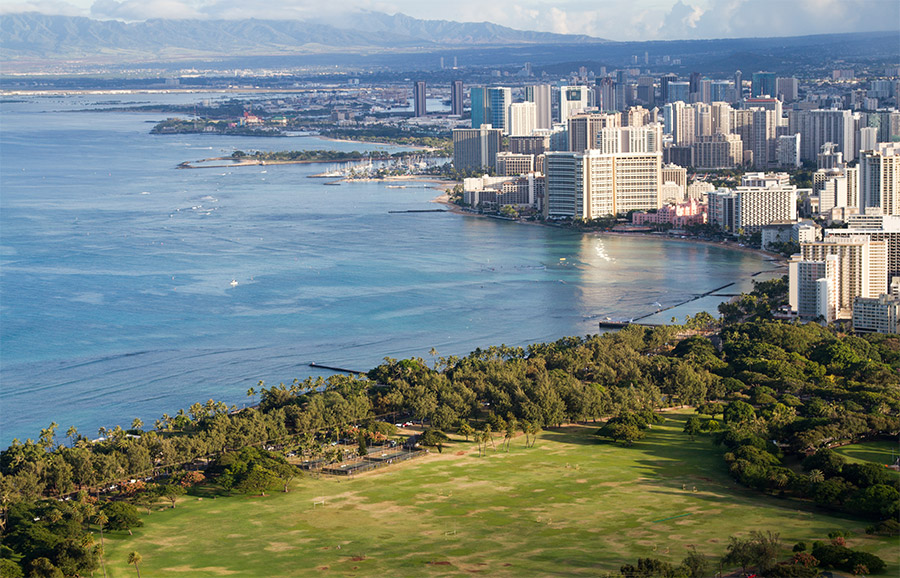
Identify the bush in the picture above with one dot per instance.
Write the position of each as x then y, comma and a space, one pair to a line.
885, 528
875, 564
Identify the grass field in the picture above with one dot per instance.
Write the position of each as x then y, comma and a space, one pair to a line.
879, 452
571, 506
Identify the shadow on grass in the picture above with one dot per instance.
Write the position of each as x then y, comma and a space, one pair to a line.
670, 461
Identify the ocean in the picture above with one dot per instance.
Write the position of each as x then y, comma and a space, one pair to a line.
116, 270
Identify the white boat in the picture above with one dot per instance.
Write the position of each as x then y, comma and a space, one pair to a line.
234, 283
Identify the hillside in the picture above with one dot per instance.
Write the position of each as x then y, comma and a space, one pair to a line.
38, 36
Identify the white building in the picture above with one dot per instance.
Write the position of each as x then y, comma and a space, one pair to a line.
878, 228
521, 118
572, 99
630, 139
513, 164
879, 179
746, 210
592, 184
862, 267
787, 151
540, 96
876, 314
812, 287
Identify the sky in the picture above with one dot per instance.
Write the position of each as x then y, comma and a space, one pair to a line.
622, 20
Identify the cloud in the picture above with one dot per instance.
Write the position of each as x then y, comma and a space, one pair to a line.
132, 10
612, 19
55, 7
743, 18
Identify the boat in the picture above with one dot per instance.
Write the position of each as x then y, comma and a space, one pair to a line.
234, 283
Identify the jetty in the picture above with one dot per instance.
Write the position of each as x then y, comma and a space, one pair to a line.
333, 368
419, 211
617, 324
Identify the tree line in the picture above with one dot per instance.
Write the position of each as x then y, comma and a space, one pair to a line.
772, 394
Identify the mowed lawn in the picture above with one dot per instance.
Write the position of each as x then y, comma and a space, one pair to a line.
570, 506
880, 452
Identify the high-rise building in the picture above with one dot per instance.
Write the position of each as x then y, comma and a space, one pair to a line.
592, 184
720, 116
695, 82
521, 118
747, 209
738, 86
646, 90
629, 139
456, 97
476, 148
572, 99
540, 96
481, 106
787, 151
862, 267
500, 99
817, 127
419, 107
786, 89
829, 157
513, 165
721, 91
866, 139
529, 145
879, 179
679, 91
605, 94
664, 86
683, 123
762, 138
717, 151
763, 84
878, 228
583, 129
812, 287
876, 314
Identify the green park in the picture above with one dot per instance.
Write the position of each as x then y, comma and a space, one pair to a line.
571, 505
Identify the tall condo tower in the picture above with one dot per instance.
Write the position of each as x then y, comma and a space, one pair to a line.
456, 97
540, 96
419, 98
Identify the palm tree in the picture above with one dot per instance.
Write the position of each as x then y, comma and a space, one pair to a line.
135, 558
101, 520
815, 476
137, 424
251, 393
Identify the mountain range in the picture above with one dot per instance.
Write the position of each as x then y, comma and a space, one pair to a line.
32, 36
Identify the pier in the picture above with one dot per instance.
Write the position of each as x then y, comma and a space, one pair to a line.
613, 324
419, 211
332, 368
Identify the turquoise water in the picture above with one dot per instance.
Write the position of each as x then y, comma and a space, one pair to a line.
116, 271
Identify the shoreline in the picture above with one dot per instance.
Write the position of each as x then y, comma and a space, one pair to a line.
436, 183
264, 163
774, 258
376, 143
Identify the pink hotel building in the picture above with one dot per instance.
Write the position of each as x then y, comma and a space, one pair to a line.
690, 212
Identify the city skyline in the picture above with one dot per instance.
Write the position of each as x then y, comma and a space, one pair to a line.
618, 20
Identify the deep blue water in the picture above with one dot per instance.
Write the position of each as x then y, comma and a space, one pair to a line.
116, 270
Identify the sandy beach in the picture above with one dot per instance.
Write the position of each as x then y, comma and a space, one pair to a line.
775, 258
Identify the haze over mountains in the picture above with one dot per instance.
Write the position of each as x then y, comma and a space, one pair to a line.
39, 36
35, 43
